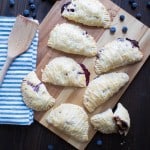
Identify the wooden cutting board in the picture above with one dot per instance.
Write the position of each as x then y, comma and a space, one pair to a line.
136, 30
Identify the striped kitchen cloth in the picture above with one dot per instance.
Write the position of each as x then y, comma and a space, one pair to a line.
12, 108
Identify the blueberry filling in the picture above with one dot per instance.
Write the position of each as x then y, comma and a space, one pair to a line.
86, 72
35, 87
134, 42
64, 6
120, 39
122, 125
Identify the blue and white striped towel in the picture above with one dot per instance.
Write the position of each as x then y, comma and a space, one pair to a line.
12, 108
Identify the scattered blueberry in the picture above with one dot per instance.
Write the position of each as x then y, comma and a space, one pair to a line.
99, 142
32, 7
122, 17
33, 15
148, 5
134, 5
11, 3
139, 16
131, 1
26, 13
50, 147
31, 2
112, 30
124, 29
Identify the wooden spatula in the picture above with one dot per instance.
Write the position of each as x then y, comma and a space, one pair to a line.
19, 41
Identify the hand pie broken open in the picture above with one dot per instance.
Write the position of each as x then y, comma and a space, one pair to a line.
117, 53
108, 122
35, 94
71, 119
103, 88
65, 71
104, 122
87, 12
72, 39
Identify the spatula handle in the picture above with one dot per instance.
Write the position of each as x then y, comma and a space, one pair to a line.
5, 68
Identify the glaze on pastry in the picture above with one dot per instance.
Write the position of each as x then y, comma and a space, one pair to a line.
103, 88
35, 94
72, 39
117, 53
64, 71
70, 119
87, 12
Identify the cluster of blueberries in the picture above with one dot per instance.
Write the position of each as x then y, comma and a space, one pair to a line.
134, 5
124, 28
26, 12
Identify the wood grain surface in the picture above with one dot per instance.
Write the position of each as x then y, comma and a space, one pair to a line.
135, 99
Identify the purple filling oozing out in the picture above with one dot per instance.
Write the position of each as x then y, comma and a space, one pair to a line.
35, 87
86, 72
64, 6
134, 42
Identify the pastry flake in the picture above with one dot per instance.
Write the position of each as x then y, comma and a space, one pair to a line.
35, 94
104, 122
103, 88
64, 71
87, 12
71, 119
72, 39
117, 53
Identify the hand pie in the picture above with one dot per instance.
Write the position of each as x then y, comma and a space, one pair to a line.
104, 122
102, 89
108, 122
117, 53
65, 71
71, 119
72, 39
35, 94
122, 119
87, 12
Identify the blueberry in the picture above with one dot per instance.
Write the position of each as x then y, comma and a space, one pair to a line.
134, 5
148, 5
112, 30
124, 29
32, 7
122, 17
50, 147
30, 2
26, 13
131, 1
99, 142
139, 16
11, 3
33, 15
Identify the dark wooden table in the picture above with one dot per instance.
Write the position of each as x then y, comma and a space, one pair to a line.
136, 99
